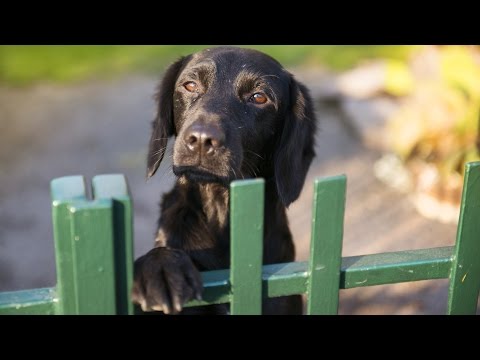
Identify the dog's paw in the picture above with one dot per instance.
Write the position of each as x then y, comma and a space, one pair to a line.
164, 280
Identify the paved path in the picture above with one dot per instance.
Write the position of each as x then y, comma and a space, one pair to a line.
51, 131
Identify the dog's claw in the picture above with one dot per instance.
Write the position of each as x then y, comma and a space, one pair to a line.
178, 307
162, 281
144, 306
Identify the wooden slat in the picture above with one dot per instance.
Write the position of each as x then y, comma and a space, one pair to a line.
326, 245
246, 232
28, 302
93, 257
115, 187
63, 191
396, 267
216, 288
465, 276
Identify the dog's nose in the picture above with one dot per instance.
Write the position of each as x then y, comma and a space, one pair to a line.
204, 138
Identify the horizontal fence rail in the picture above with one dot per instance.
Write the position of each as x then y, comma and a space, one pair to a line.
93, 240
282, 279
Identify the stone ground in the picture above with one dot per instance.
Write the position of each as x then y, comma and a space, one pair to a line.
103, 127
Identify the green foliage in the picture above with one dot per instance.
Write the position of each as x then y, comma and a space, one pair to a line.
24, 65
335, 57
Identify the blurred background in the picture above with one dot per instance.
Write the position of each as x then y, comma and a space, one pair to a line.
399, 121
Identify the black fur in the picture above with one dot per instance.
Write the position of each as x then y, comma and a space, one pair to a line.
207, 101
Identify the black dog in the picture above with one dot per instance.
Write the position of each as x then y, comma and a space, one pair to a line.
235, 113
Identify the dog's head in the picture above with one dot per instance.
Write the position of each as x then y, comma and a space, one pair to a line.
236, 113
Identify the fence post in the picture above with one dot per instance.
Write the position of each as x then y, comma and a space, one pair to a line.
63, 191
326, 245
465, 274
246, 233
93, 241
115, 187
93, 257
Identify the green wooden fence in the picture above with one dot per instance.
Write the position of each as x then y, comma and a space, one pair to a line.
94, 254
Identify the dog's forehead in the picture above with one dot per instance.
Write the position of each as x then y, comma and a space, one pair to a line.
235, 60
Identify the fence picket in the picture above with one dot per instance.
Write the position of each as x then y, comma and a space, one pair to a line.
93, 257
246, 232
326, 245
115, 187
465, 275
63, 191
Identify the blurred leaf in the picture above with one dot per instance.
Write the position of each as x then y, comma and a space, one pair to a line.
399, 81
405, 130
458, 68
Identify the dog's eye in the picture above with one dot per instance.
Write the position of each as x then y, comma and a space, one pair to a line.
190, 86
259, 98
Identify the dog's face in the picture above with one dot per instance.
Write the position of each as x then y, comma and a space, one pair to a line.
236, 113
224, 103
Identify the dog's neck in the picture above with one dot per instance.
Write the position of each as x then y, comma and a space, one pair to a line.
215, 200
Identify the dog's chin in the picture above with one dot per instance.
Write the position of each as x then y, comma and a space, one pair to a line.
199, 175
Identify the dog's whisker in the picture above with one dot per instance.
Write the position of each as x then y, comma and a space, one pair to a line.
254, 153
159, 152
241, 173
234, 173
251, 167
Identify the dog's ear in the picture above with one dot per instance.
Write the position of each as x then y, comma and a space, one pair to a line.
295, 149
162, 125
